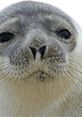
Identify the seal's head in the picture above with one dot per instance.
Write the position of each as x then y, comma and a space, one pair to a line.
39, 42
36, 38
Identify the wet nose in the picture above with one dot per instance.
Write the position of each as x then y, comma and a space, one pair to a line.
41, 50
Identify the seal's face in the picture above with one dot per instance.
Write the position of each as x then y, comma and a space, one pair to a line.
38, 41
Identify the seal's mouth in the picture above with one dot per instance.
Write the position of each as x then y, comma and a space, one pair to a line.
42, 69
39, 72
40, 75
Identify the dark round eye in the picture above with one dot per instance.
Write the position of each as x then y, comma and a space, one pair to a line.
63, 33
6, 36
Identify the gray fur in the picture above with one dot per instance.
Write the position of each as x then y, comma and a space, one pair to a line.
35, 26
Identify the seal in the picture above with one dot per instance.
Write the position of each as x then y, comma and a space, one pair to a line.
40, 62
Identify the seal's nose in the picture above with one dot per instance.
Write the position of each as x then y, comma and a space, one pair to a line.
41, 50
33, 50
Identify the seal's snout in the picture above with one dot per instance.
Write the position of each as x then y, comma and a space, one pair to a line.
41, 50
33, 51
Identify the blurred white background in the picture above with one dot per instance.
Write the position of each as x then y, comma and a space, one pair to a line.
71, 7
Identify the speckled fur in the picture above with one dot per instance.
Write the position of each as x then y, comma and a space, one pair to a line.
47, 87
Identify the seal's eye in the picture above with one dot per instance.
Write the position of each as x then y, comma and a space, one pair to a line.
63, 33
6, 36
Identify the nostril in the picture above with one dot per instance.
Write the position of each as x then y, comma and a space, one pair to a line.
33, 50
42, 50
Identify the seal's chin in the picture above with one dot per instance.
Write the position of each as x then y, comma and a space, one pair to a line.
46, 71
40, 75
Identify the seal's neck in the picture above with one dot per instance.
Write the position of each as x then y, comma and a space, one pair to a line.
26, 97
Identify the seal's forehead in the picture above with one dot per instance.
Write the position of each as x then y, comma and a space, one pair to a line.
28, 10
31, 9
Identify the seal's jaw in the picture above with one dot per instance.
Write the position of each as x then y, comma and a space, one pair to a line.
41, 69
